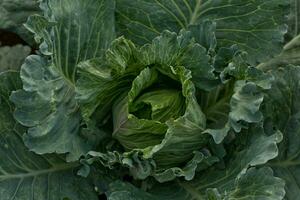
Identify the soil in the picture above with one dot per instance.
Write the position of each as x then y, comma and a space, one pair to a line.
10, 39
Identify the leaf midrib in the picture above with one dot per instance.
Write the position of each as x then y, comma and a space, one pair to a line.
58, 168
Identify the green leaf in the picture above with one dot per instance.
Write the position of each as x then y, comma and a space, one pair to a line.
47, 106
258, 150
134, 125
25, 175
289, 55
164, 104
97, 79
157, 139
235, 104
248, 23
199, 161
245, 105
141, 168
204, 34
255, 184
162, 138
120, 190
13, 13
124, 61
119, 72
216, 107
170, 49
282, 112
130, 130
239, 180
293, 20
244, 108
11, 58
74, 31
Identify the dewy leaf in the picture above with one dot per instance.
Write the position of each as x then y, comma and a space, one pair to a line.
11, 58
254, 25
240, 180
25, 175
13, 13
282, 112
47, 106
77, 30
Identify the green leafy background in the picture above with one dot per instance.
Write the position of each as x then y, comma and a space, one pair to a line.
241, 56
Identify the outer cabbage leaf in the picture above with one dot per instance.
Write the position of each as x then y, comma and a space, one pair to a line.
11, 58
73, 31
289, 55
142, 168
25, 175
47, 102
47, 106
282, 112
291, 50
235, 103
249, 24
256, 183
239, 180
244, 108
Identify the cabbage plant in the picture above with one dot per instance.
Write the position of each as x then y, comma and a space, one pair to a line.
144, 99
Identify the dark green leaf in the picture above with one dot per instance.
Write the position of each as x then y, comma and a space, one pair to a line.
97, 79
74, 31
256, 26
282, 112
47, 106
235, 105
234, 182
25, 175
